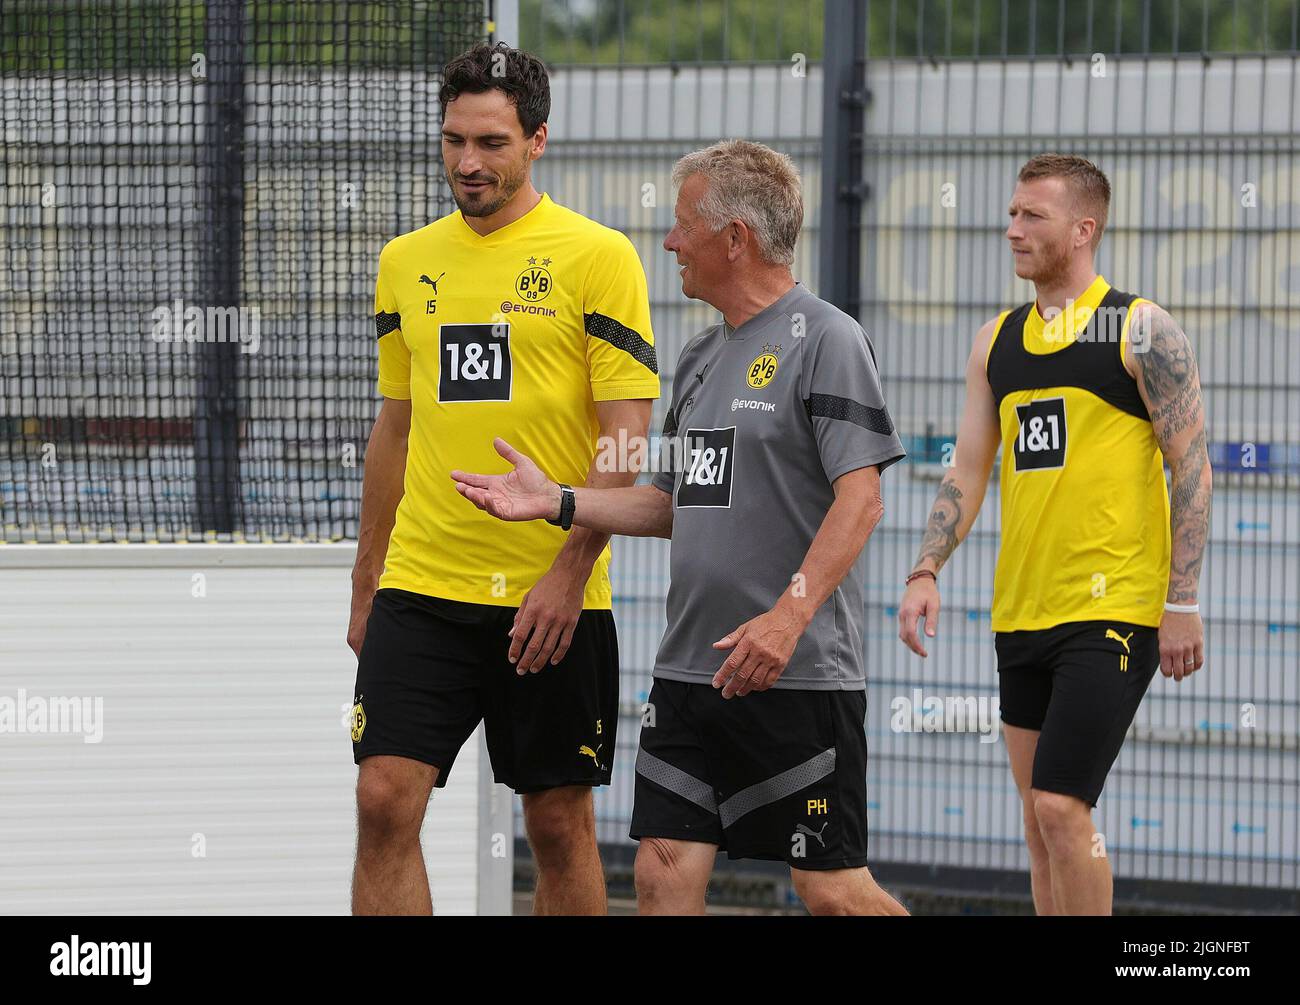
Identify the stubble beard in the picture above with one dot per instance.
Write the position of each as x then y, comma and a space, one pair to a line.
510, 185
1054, 268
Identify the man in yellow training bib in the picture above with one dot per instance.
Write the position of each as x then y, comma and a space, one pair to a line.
1086, 389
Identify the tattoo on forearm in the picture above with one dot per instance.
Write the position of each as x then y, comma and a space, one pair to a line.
1189, 506
1173, 391
941, 529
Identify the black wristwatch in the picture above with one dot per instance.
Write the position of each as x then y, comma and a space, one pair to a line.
568, 500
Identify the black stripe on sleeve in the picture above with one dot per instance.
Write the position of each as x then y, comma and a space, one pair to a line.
832, 406
385, 323
622, 337
670, 424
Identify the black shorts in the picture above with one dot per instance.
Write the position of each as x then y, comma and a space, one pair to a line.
1080, 685
432, 669
778, 775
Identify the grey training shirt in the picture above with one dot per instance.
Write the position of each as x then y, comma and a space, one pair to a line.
763, 419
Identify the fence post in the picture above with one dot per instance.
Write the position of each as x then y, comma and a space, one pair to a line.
844, 105
216, 403
504, 15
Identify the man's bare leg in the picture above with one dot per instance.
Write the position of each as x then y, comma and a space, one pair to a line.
672, 876
843, 891
392, 796
1081, 878
1021, 745
561, 828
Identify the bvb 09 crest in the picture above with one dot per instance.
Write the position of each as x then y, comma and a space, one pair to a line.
762, 370
533, 284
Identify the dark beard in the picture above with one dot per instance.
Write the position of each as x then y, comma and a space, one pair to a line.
484, 208
509, 186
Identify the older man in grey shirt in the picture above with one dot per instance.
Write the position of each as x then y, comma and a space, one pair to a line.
780, 432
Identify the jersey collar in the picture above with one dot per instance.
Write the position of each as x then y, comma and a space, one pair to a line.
1043, 337
512, 229
775, 309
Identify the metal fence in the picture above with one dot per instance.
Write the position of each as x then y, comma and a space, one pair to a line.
193, 196
1191, 110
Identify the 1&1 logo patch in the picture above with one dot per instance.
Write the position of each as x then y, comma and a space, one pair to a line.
1041, 440
475, 362
710, 460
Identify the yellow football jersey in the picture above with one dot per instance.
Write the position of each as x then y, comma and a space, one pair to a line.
516, 334
1085, 509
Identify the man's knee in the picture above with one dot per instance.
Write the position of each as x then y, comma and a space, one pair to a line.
558, 821
662, 873
392, 794
1059, 817
1032, 832
824, 894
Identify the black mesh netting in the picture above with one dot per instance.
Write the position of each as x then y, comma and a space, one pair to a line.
192, 201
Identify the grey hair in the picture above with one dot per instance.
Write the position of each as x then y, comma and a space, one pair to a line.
752, 183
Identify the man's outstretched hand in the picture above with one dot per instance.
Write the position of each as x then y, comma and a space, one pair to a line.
523, 494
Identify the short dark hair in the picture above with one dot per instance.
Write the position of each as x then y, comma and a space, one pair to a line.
519, 75
1086, 180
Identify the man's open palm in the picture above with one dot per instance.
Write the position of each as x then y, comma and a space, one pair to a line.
523, 494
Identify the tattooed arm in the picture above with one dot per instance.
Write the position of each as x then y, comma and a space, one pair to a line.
1159, 356
960, 496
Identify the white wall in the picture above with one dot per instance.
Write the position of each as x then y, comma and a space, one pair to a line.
222, 716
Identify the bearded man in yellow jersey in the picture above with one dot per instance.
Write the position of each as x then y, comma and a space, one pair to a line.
1087, 390
511, 317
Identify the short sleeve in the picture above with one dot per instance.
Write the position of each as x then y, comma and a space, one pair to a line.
845, 402
616, 314
665, 477
394, 356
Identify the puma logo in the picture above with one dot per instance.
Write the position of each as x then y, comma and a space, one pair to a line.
433, 282
804, 829
587, 751
1121, 639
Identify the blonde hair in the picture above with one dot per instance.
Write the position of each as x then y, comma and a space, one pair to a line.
751, 183
1087, 181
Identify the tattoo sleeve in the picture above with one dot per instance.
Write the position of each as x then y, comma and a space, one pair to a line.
941, 529
1172, 389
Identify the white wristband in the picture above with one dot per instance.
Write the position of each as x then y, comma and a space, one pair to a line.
1183, 608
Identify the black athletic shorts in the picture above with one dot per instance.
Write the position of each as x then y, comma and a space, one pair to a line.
778, 775
1080, 685
432, 669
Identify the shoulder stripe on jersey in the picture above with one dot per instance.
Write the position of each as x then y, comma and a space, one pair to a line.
385, 323
1123, 331
832, 406
622, 337
997, 327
